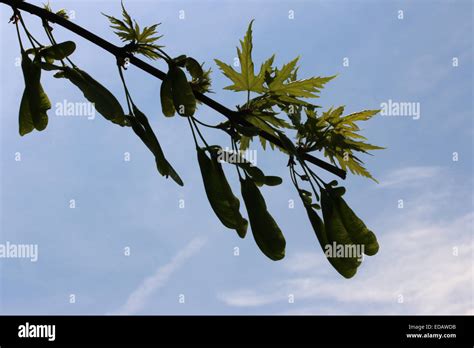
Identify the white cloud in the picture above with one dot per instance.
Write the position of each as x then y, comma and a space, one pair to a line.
416, 260
304, 262
409, 176
248, 298
138, 298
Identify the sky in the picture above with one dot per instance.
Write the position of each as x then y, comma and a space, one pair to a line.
181, 260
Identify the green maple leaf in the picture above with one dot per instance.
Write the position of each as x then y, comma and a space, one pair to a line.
140, 41
284, 73
246, 80
285, 83
300, 88
339, 143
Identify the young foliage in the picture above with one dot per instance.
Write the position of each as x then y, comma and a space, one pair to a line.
279, 90
246, 80
277, 104
138, 41
337, 136
202, 84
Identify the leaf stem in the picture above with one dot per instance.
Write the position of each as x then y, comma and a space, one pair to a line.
204, 124
50, 37
53, 41
164, 53
194, 134
127, 94
316, 177
164, 57
303, 165
199, 132
31, 38
19, 37
293, 176
321, 139
234, 148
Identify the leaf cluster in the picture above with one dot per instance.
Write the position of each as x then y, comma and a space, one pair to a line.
336, 135
279, 90
277, 103
140, 41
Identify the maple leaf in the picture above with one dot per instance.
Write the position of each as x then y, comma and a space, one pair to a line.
337, 136
140, 41
305, 88
246, 80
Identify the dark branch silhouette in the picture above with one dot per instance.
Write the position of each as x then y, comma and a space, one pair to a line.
120, 52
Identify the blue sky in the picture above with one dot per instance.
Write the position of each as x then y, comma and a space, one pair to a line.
186, 251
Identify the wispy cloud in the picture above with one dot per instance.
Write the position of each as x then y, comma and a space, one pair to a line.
424, 266
250, 298
429, 267
409, 176
138, 298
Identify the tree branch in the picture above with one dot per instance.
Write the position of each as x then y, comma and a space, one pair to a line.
117, 51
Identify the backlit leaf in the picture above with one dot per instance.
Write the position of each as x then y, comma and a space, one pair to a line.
306, 88
245, 80
140, 41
